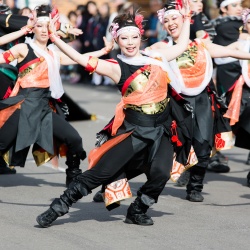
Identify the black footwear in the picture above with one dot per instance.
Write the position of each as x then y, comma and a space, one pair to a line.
139, 219
195, 196
137, 214
218, 163
248, 179
4, 169
217, 167
248, 159
98, 197
183, 179
45, 219
7, 170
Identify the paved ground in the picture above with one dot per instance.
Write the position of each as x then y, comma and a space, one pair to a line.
222, 221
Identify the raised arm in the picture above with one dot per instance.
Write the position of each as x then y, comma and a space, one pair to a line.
19, 33
172, 52
65, 60
217, 51
102, 67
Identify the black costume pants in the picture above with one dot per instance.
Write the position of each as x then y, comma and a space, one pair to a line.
62, 131
113, 164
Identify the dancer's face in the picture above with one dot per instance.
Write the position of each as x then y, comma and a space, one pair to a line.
129, 43
233, 9
196, 6
41, 31
173, 24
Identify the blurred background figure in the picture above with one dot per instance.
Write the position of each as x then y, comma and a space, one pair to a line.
12, 6
69, 72
115, 6
151, 32
86, 21
24, 11
98, 33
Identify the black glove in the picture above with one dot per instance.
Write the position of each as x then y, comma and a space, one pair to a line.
64, 107
101, 138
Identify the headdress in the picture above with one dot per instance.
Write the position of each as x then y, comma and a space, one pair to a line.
4, 9
245, 15
227, 2
127, 23
171, 8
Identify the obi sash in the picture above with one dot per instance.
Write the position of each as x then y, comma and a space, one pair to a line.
233, 112
194, 68
155, 90
33, 74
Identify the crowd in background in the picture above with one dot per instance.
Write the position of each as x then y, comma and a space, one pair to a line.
94, 20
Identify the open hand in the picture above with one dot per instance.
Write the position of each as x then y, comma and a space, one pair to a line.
32, 19
52, 23
185, 9
74, 31
108, 45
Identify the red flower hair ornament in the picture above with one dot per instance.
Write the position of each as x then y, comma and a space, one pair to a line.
138, 21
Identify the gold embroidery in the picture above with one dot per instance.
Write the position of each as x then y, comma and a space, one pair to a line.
7, 20
188, 58
30, 68
138, 84
152, 108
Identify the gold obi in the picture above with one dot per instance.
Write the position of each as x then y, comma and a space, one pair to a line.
138, 83
27, 68
151, 108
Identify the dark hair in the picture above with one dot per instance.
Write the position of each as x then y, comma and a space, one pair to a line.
218, 5
20, 12
125, 19
43, 10
170, 5
71, 13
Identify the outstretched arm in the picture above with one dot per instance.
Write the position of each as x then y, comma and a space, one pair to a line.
18, 51
65, 60
102, 67
217, 51
23, 31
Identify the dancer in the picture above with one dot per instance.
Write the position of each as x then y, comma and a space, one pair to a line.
228, 28
194, 68
238, 94
26, 115
203, 28
142, 121
10, 23
8, 74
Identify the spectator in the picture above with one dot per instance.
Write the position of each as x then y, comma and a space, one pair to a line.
12, 6
151, 27
25, 11
68, 72
85, 24
98, 33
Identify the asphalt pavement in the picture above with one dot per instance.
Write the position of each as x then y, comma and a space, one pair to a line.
221, 222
